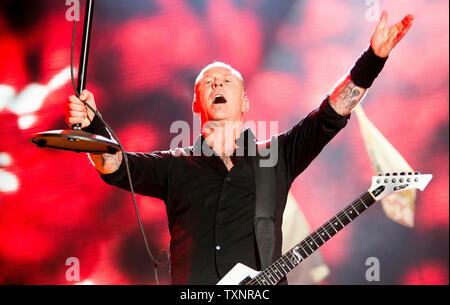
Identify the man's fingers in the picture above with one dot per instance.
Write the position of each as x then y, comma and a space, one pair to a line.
402, 34
407, 22
86, 94
403, 27
383, 20
77, 114
406, 29
77, 107
75, 100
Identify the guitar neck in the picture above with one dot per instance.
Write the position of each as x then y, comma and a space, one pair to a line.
281, 267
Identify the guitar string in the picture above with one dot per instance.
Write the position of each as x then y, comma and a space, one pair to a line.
358, 203
311, 237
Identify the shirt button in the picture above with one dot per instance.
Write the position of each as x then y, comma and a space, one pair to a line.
217, 248
228, 179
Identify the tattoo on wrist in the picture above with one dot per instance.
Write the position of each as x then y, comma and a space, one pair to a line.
346, 95
110, 161
350, 95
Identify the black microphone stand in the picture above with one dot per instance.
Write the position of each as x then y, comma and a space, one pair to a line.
75, 139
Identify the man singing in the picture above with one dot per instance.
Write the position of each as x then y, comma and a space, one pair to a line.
224, 200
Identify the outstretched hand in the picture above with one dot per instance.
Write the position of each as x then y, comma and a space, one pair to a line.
384, 39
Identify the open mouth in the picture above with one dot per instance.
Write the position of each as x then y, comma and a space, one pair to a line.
219, 99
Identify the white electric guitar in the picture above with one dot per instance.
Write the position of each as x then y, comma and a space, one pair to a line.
381, 187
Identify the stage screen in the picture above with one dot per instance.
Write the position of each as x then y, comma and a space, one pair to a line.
144, 56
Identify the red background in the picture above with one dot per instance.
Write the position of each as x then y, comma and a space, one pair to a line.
144, 57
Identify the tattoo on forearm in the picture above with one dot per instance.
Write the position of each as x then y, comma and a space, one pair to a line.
350, 95
106, 163
346, 96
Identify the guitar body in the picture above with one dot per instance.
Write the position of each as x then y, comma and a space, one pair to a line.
238, 275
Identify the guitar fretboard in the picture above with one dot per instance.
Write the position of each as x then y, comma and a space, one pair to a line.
281, 267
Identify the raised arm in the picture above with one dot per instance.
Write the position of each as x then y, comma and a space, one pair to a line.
349, 91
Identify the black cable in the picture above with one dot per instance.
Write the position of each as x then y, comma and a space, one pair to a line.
155, 261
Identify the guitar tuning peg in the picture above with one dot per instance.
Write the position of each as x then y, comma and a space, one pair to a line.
379, 174
402, 173
410, 173
394, 174
416, 173
387, 174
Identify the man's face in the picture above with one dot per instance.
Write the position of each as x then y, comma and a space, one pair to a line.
220, 96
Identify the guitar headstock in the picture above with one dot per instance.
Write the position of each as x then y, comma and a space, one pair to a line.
383, 185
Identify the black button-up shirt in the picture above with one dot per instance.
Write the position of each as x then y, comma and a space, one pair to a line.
211, 210
215, 227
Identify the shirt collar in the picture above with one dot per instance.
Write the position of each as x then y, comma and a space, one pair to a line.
246, 138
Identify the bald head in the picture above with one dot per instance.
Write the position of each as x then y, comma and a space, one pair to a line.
214, 65
219, 93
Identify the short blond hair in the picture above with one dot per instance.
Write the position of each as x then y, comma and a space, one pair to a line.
214, 65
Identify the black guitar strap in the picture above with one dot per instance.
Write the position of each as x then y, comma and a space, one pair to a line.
264, 221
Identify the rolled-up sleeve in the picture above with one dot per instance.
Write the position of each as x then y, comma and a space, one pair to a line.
303, 142
149, 174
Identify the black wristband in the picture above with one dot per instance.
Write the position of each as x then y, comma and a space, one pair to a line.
97, 127
367, 68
